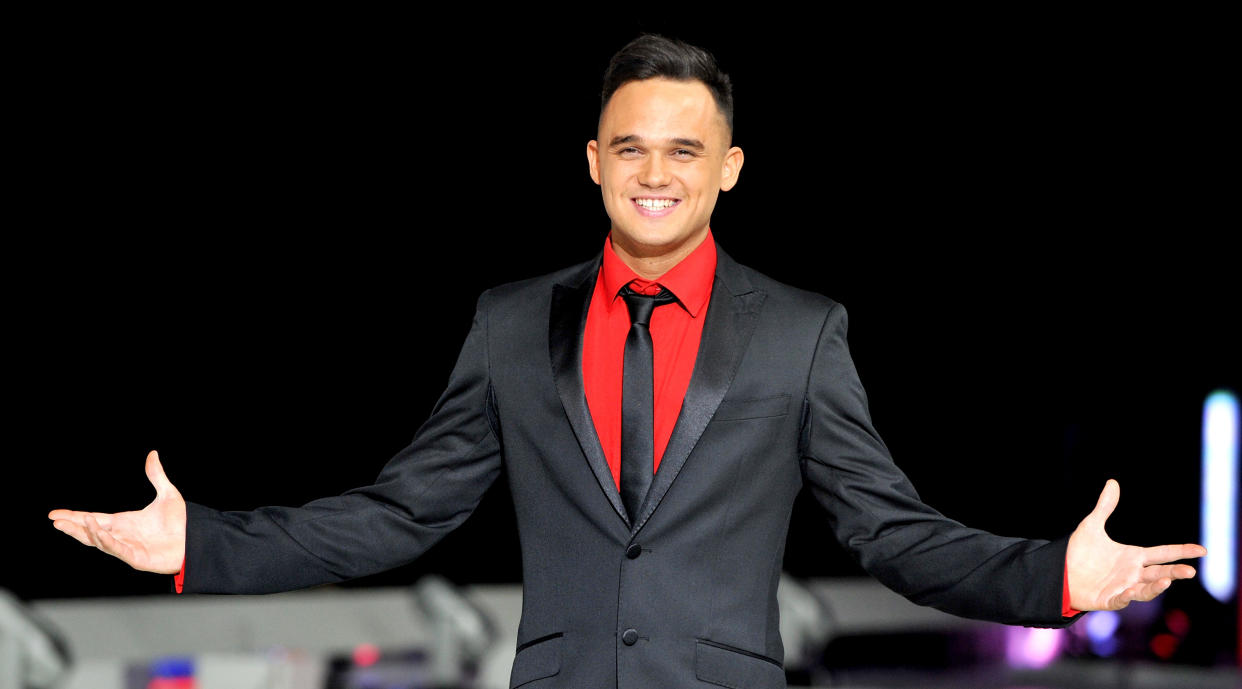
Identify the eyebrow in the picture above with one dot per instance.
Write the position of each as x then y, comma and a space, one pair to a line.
677, 141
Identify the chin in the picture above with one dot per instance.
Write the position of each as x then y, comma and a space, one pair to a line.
650, 242
639, 234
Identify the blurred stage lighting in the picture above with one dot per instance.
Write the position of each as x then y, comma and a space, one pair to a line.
1219, 507
1032, 648
1101, 629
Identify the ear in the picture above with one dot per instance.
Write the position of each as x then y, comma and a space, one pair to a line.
593, 159
732, 166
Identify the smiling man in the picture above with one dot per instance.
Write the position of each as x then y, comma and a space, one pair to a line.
657, 409
666, 158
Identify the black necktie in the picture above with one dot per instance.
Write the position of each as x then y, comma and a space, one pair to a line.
638, 400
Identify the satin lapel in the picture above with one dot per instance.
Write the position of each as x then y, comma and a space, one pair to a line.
731, 318
565, 325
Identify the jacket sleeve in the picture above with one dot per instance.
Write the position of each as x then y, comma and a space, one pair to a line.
878, 517
425, 491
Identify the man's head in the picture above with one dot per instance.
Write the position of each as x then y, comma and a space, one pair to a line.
663, 150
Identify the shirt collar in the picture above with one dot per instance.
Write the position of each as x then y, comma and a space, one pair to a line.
690, 280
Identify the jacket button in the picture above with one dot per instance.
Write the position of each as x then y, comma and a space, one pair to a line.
629, 637
634, 551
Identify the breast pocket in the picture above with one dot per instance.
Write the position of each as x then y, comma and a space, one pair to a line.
756, 408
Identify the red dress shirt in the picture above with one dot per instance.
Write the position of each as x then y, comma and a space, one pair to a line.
676, 330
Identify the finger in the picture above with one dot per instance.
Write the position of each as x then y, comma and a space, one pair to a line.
1161, 554
1140, 592
107, 543
77, 531
1158, 572
1107, 502
74, 515
79, 518
1149, 591
156, 475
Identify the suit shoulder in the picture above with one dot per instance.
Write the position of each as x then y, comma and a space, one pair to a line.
522, 303
787, 296
538, 287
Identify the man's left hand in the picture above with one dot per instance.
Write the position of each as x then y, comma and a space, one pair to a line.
1106, 575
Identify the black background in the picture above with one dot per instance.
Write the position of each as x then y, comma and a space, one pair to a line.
255, 245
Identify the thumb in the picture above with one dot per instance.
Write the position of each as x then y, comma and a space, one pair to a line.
156, 475
1107, 502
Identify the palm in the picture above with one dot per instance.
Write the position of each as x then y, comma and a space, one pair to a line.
1106, 575
151, 539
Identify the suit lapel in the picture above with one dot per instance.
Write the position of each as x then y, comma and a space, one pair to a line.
731, 318
570, 301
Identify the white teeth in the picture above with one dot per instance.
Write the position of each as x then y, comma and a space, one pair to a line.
655, 204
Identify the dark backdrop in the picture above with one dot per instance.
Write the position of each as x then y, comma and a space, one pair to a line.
255, 245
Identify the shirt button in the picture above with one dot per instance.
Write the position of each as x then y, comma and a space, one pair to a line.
629, 637
634, 551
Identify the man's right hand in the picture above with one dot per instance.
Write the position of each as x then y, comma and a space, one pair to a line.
151, 539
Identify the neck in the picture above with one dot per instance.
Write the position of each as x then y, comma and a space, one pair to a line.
651, 263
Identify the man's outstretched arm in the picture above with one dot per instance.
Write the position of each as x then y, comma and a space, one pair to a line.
424, 492
932, 560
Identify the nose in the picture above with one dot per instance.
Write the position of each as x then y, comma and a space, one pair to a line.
654, 172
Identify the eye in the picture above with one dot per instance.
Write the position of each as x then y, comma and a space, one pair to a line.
629, 152
683, 153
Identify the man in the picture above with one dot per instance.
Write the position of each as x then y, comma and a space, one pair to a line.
652, 506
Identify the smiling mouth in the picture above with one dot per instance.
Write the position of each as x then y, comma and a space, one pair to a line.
654, 206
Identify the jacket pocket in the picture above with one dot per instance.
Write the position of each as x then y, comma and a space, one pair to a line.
763, 407
536, 659
735, 668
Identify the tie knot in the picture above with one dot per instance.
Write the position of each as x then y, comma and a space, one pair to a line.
641, 305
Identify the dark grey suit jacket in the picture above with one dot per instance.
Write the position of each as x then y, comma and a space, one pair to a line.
684, 593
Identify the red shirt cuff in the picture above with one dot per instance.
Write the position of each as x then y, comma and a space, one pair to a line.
179, 579
1066, 610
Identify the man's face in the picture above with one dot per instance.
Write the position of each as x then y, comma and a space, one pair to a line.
661, 159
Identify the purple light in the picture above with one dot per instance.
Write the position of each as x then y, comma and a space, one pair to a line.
1032, 648
1105, 648
1102, 625
1101, 629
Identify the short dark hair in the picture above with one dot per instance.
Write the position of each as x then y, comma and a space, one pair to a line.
652, 55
